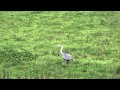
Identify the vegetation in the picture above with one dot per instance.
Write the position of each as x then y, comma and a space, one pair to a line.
28, 44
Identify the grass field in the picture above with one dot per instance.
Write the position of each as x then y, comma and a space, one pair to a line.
28, 44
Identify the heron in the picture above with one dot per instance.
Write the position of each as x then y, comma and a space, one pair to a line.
66, 56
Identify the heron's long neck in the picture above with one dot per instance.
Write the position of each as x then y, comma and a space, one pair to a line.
61, 50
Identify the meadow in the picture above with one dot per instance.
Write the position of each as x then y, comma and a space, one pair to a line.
29, 39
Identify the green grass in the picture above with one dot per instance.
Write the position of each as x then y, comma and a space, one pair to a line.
28, 44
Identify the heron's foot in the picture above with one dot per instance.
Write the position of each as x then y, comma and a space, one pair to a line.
64, 66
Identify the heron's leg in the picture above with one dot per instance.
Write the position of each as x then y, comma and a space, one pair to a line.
67, 62
72, 59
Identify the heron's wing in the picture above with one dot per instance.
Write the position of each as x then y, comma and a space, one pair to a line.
67, 56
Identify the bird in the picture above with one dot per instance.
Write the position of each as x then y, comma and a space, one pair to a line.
66, 56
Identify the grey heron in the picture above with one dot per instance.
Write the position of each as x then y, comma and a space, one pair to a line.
66, 56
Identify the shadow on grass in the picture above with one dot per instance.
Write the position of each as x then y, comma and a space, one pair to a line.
9, 55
